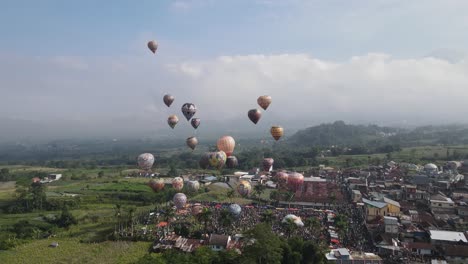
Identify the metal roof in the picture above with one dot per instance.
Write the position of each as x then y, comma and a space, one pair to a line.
447, 236
374, 203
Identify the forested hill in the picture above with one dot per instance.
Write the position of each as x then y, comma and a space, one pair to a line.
341, 134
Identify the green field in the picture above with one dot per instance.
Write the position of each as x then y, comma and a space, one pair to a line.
72, 251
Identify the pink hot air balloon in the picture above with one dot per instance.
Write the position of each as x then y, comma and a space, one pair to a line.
179, 200
295, 181
267, 164
156, 184
178, 183
145, 161
226, 144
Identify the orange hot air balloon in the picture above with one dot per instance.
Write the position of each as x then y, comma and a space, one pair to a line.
264, 101
277, 132
172, 120
226, 144
192, 142
153, 45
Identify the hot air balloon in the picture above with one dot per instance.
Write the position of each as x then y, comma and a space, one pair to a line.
204, 161
153, 45
189, 110
235, 209
282, 178
264, 101
267, 164
226, 144
168, 99
254, 115
195, 122
193, 186
197, 209
217, 159
231, 162
145, 161
178, 183
296, 220
295, 181
244, 188
172, 120
192, 142
277, 132
156, 184
180, 200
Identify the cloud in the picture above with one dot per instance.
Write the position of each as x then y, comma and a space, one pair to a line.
126, 93
181, 5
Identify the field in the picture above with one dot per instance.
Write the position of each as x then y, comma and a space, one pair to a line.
72, 251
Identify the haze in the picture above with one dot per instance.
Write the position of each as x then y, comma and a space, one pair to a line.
82, 68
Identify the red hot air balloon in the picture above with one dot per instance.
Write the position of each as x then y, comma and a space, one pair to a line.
264, 101
172, 120
282, 178
267, 164
168, 99
254, 115
180, 200
189, 110
295, 181
192, 142
195, 122
153, 45
226, 144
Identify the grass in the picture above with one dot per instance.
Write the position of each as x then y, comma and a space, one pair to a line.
70, 250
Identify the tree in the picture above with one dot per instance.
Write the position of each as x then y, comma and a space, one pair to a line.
205, 216
173, 170
100, 174
267, 217
131, 213
204, 255
265, 246
313, 224
259, 189
66, 219
289, 227
118, 215
225, 219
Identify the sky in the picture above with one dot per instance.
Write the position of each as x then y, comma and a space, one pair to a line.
79, 67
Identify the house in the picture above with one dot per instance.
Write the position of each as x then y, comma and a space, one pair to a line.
442, 204
440, 237
420, 248
219, 242
374, 209
391, 225
393, 207
456, 254
357, 196
343, 256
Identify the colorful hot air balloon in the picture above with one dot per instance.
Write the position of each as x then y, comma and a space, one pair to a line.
231, 162
226, 144
193, 186
264, 101
172, 120
217, 159
267, 164
296, 220
156, 184
295, 181
178, 183
204, 161
189, 110
244, 188
168, 99
235, 209
282, 178
195, 122
153, 45
145, 161
276, 132
179, 200
254, 115
192, 142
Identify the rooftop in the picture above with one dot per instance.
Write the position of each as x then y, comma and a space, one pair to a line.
374, 203
450, 236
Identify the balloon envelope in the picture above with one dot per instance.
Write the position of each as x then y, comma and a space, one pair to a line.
254, 115
189, 110
267, 164
295, 181
282, 178
145, 161
297, 220
156, 184
217, 159
172, 120
192, 142
153, 45
277, 132
197, 209
193, 186
168, 99
180, 200
244, 188
231, 162
226, 144
204, 161
195, 122
178, 183
235, 209
264, 101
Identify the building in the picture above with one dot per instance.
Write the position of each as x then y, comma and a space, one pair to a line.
219, 242
456, 254
343, 256
391, 225
318, 190
420, 248
393, 207
442, 204
357, 196
374, 209
441, 237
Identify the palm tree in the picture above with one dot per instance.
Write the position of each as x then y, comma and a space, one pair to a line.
267, 217
313, 224
131, 213
118, 214
290, 196
259, 189
289, 227
205, 216
225, 219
